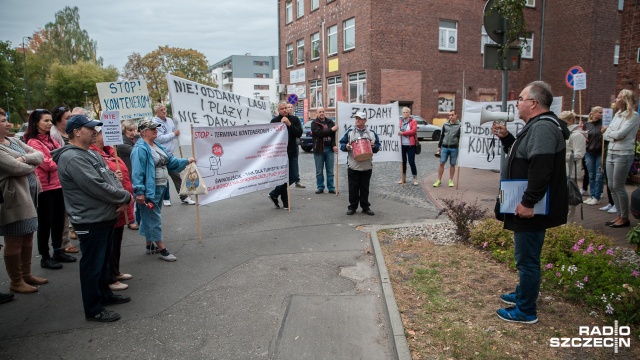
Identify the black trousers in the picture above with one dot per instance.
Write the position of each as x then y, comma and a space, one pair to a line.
359, 188
114, 262
50, 221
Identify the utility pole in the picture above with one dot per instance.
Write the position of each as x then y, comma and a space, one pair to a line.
26, 74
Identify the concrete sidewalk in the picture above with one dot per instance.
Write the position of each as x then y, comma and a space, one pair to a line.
482, 186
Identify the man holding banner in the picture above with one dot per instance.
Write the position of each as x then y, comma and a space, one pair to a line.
296, 167
359, 171
295, 131
167, 133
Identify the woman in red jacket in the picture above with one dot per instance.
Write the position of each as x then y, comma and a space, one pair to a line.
50, 201
409, 138
122, 173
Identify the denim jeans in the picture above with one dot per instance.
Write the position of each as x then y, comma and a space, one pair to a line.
527, 249
617, 171
96, 246
151, 219
410, 152
323, 161
294, 169
596, 184
451, 153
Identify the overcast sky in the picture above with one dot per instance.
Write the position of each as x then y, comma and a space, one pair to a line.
216, 28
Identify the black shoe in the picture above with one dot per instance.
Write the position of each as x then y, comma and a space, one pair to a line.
5, 298
275, 201
319, 191
351, 212
50, 264
368, 212
624, 224
105, 316
62, 257
609, 223
117, 299
332, 191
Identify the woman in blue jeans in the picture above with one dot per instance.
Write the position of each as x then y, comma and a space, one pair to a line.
593, 156
621, 135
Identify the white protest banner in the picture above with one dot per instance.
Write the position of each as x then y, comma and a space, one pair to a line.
202, 105
111, 128
237, 160
384, 120
607, 116
129, 97
477, 148
580, 81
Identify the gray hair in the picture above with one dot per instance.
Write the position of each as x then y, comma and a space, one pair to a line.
158, 106
78, 111
126, 124
540, 91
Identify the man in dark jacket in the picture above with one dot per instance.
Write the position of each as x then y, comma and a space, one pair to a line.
536, 154
295, 131
323, 132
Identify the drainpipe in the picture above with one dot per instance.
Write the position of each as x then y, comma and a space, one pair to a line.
544, 2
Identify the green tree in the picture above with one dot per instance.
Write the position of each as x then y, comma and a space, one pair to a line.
67, 83
65, 41
153, 67
12, 93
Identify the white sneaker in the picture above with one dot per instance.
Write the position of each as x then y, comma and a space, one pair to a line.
587, 201
583, 192
593, 201
188, 201
166, 202
606, 207
613, 210
169, 257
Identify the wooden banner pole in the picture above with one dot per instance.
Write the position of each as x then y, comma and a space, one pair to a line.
193, 153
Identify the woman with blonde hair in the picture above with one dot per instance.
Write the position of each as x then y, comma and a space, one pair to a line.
621, 134
576, 148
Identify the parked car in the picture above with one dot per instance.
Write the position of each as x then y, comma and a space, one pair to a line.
20, 134
426, 130
635, 203
306, 143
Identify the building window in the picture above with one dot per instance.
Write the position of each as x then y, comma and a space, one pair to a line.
485, 39
334, 90
448, 35
261, 63
289, 55
446, 102
260, 75
315, 94
349, 34
315, 4
299, 8
300, 51
330, 1
531, 3
358, 88
315, 46
527, 47
620, 5
616, 54
260, 87
332, 40
289, 11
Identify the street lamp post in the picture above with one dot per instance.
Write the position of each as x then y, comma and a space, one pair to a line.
26, 74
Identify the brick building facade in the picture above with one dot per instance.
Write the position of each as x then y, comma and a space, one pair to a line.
426, 54
629, 60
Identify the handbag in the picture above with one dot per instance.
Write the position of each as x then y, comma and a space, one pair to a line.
418, 146
575, 197
192, 182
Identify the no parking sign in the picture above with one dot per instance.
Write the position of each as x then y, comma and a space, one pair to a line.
569, 77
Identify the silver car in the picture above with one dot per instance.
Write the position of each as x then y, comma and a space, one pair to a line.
426, 130
20, 134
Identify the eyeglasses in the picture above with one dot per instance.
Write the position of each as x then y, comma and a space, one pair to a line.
520, 99
62, 108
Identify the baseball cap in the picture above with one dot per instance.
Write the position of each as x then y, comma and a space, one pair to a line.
78, 121
361, 115
147, 124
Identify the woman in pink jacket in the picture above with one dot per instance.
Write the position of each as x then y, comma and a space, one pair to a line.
50, 201
409, 138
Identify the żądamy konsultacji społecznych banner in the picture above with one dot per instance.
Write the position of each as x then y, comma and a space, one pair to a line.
237, 160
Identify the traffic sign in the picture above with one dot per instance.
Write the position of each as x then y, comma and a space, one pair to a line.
292, 99
568, 78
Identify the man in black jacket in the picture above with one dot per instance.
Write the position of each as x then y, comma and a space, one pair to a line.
295, 131
537, 155
323, 132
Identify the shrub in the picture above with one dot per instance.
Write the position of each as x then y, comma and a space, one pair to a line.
462, 216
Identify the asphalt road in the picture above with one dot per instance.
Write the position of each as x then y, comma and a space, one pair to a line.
262, 283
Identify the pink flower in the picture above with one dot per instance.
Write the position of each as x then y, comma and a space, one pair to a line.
548, 266
558, 274
600, 247
586, 279
589, 249
635, 273
502, 244
581, 241
610, 252
485, 244
576, 247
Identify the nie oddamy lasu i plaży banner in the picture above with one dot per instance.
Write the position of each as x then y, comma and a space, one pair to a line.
111, 128
238, 160
476, 150
129, 97
202, 105
384, 120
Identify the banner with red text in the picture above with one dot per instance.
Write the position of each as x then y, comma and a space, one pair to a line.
237, 160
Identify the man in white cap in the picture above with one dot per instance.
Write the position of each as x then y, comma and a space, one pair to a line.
359, 172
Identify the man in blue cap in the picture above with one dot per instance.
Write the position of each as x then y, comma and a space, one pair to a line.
93, 196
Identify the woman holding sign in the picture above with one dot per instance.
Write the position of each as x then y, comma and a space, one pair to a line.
151, 164
621, 135
120, 170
